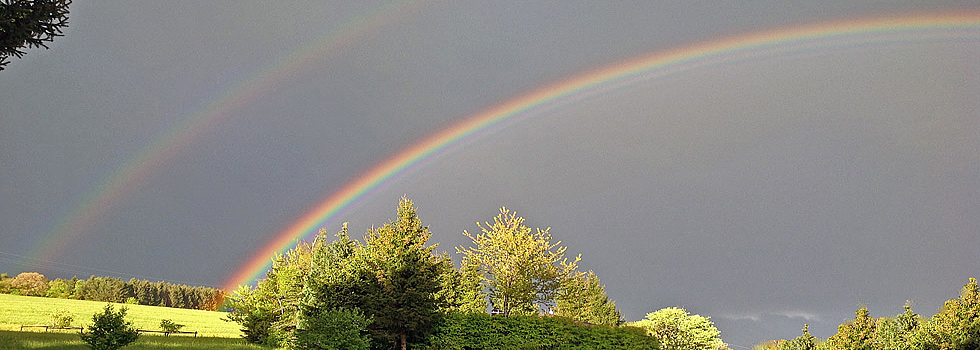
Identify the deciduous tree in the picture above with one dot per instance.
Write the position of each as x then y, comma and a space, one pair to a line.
956, 326
857, 334
522, 270
676, 329
30, 283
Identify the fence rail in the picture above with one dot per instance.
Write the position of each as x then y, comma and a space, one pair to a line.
165, 333
48, 327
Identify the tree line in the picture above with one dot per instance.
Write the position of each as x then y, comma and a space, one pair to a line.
955, 327
394, 291
110, 289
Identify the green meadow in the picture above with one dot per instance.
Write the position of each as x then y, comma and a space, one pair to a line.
10, 340
21, 310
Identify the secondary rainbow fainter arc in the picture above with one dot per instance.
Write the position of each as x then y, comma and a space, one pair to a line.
944, 26
178, 139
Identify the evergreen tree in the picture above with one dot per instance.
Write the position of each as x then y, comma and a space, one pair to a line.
402, 278
29, 23
803, 342
461, 290
109, 330
583, 298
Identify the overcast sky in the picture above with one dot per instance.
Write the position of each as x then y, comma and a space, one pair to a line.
765, 193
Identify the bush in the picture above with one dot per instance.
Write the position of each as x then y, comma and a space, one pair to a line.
109, 330
61, 319
170, 326
482, 331
335, 329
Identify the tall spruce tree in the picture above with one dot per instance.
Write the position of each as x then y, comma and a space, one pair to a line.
29, 23
402, 278
583, 298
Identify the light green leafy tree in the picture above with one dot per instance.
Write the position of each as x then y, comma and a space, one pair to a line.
462, 290
268, 312
58, 288
896, 333
329, 317
583, 298
676, 329
956, 326
522, 270
857, 334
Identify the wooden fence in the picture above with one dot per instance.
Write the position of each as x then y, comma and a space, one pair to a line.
165, 333
48, 327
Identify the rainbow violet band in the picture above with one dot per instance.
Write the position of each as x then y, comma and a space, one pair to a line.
178, 139
959, 26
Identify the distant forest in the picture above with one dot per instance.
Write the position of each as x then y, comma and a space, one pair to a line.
114, 290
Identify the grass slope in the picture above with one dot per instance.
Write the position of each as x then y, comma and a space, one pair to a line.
68, 341
18, 310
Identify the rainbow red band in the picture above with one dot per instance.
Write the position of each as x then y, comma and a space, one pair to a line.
961, 26
143, 165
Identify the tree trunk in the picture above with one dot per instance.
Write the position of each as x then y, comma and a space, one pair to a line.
404, 342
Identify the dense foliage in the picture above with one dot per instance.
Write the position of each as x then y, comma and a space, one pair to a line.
522, 270
678, 330
955, 327
333, 329
482, 331
29, 23
115, 290
394, 290
584, 298
109, 330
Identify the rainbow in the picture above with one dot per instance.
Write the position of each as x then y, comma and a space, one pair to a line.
882, 30
177, 139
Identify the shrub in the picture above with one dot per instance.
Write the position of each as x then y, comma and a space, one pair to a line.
170, 326
335, 329
61, 319
109, 330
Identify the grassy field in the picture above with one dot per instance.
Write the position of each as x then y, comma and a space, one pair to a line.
68, 341
20, 310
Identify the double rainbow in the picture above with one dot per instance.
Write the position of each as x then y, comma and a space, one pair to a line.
177, 139
959, 26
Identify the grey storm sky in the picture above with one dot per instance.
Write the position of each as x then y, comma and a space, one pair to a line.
765, 193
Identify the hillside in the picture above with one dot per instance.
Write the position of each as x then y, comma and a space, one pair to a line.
21, 310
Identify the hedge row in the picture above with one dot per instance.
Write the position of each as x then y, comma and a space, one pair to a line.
482, 331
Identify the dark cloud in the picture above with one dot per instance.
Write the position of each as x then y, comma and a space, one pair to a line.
765, 193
